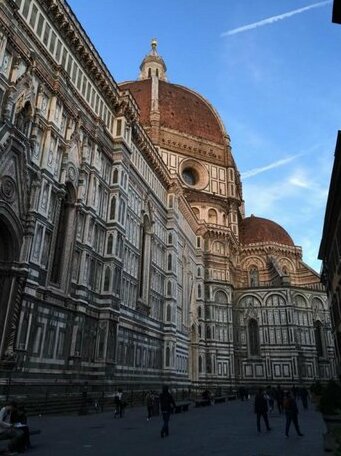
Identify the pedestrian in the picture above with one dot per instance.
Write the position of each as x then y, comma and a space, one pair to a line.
279, 399
19, 419
261, 410
119, 403
291, 413
150, 403
304, 397
167, 403
9, 430
270, 398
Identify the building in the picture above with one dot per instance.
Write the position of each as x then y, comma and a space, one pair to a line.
126, 256
330, 250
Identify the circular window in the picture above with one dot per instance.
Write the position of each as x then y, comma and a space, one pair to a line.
190, 176
194, 174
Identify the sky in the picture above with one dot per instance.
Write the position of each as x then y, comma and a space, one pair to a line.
270, 68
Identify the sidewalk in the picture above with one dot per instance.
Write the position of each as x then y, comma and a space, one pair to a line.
223, 429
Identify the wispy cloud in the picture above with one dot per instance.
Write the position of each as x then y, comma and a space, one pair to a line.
271, 20
276, 164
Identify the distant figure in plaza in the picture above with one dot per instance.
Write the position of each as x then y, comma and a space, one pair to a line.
206, 395
291, 413
9, 430
279, 399
242, 393
261, 410
149, 403
167, 404
119, 404
304, 397
269, 396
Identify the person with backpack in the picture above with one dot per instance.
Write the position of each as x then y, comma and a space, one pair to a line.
291, 413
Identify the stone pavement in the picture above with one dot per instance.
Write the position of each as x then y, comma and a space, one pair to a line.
223, 429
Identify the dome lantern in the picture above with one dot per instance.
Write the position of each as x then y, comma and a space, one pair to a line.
153, 65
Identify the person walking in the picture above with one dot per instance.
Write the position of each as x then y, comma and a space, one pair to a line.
149, 403
261, 410
279, 399
291, 413
119, 404
167, 403
304, 397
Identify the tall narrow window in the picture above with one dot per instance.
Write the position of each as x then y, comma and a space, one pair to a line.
110, 244
200, 364
145, 258
318, 338
254, 277
112, 208
169, 262
253, 338
64, 236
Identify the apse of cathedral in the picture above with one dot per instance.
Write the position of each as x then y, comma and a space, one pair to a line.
125, 252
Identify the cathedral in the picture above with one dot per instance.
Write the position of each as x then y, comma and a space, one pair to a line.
126, 257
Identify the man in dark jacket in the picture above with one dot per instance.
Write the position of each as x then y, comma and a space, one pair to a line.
291, 413
261, 409
167, 403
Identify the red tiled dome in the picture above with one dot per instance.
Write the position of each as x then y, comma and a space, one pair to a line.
256, 229
181, 110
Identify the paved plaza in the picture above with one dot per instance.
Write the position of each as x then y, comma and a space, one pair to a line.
223, 429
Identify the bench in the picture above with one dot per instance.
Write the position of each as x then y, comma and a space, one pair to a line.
202, 402
182, 407
219, 399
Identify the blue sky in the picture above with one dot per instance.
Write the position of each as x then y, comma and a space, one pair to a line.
276, 86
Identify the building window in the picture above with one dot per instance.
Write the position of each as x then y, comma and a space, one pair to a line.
254, 277
65, 225
200, 364
113, 208
212, 216
169, 262
318, 338
110, 244
253, 338
167, 356
169, 313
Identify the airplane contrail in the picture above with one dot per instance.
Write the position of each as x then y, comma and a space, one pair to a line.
276, 164
271, 20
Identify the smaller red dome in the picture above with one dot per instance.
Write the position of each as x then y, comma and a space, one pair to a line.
256, 229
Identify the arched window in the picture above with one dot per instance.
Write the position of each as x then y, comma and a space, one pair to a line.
253, 338
115, 176
110, 244
169, 288
207, 312
112, 208
170, 238
149, 72
199, 312
208, 332
199, 272
254, 277
318, 338
220, 297
212, 216
157, 72
199, 330
169, 262
167, 356
23, 118
224, 219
